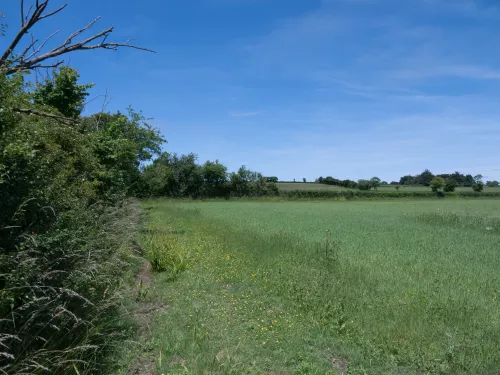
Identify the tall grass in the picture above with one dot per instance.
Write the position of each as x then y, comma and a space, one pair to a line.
62, 301
379, 287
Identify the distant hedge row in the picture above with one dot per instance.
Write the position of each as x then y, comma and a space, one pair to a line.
373, 194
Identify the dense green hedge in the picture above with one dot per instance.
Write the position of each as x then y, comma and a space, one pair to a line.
372, 194
66, 231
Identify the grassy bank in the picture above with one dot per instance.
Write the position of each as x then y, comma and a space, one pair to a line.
317, 288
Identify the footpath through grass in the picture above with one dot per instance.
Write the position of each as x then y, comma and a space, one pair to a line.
318, 288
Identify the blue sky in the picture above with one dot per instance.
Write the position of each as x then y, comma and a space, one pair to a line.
348, 88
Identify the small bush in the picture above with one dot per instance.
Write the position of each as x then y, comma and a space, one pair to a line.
437, 183
450, 186
478, 187
364, 185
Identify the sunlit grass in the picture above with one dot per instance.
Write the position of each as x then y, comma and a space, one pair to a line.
308, 288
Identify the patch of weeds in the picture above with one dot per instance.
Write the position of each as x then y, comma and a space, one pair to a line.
166, 254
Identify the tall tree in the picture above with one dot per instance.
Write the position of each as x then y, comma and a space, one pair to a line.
425, 178
375, 182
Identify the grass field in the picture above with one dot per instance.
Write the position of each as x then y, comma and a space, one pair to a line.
325, 288
314, 186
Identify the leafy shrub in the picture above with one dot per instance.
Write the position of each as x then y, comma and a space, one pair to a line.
478, 187
437, 183
449, 186
375, 182
364, 184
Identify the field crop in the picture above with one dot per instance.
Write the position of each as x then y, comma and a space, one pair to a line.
330, 287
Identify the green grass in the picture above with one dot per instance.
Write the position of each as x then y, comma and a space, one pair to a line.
315, 288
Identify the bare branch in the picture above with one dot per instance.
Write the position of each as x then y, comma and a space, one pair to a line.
28, 13
54, 12
76, 33
24, 29
43, 114
22, 13
21, 56
105, 103
34, 60
42, 45
36, 66
49, 66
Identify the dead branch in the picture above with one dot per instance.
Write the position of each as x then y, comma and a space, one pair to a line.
34, 53
28, 111
9, 63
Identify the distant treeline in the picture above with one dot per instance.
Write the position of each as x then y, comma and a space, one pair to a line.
373, 194
424, 179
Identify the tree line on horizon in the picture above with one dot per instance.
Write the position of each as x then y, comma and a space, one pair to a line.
448, 181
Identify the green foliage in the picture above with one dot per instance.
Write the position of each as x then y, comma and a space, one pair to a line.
365, 185
273, 179
177, 177
437, 183
372, 194
121, 143
166, 254
348, 184
245, 175
449, 186
63, 92
61, 294
492, 183
248, 183
12, 95
66, 232
174, 176
425, 177
375, 182
214, 174
478, 187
